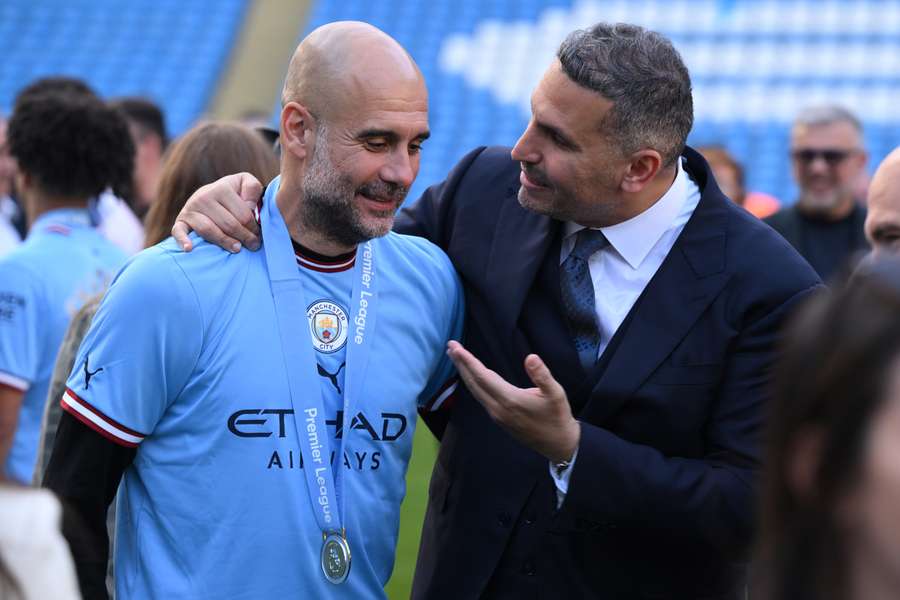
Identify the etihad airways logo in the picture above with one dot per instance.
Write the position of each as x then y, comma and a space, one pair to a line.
278, 422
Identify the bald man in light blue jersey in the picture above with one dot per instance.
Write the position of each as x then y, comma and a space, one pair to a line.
261, 406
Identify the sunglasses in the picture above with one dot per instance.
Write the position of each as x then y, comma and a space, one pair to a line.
832, 157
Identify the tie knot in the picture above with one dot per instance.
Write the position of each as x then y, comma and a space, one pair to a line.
588, 241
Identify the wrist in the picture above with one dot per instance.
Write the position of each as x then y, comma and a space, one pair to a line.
568, 444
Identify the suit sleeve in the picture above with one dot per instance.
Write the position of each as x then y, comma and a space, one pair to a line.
429, 216
709, 499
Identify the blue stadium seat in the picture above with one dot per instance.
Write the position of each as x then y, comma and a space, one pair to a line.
754, 65
172, 51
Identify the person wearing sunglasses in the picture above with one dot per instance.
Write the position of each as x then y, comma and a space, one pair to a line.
828, 161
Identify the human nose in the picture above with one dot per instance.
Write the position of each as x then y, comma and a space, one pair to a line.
401, 168
525, 150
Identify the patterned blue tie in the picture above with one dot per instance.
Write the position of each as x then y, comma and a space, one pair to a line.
578, 295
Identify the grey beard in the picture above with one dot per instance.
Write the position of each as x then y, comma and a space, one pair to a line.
329, 208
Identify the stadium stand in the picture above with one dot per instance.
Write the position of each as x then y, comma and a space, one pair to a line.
171, 51
754, 64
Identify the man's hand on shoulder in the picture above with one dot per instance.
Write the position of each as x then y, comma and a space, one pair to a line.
221, 212
539, 417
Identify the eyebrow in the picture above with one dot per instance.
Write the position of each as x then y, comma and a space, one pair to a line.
389, 135
550, 129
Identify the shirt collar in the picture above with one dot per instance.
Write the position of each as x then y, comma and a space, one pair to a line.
67, 217
633, 239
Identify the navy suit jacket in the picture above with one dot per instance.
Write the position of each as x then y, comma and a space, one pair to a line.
661, 498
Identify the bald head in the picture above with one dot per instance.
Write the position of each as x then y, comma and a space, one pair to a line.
883, 218
341, 61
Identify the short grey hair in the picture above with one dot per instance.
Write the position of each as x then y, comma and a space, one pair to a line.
827, 114
642, 74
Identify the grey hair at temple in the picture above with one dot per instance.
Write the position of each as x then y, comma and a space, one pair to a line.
643, 75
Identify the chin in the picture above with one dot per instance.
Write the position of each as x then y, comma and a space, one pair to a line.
379, 228
549, 207
528, 201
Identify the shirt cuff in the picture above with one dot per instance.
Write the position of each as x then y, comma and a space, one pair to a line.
561, 479
18, 383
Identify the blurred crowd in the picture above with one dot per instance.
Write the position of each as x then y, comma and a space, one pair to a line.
85, 183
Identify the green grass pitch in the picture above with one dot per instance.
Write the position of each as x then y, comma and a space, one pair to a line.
412, 512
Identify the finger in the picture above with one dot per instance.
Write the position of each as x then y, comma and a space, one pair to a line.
241, 205
181, 232
249, 187
223, 202
493, 384
542, 377
209, 231
471, 382
223, 217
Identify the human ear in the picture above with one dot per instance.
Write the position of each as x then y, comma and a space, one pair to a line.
642, 168
297, 129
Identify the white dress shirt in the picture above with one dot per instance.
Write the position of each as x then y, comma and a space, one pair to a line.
621, 270
118, 223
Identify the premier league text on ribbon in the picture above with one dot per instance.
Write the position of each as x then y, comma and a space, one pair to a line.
316, 453
287, 287
366, 280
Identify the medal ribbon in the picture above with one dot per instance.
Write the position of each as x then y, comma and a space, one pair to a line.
300, 361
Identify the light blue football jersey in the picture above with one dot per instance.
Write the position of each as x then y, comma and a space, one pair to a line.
63, 262
186, 365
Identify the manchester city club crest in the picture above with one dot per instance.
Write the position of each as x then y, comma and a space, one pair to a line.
328, 325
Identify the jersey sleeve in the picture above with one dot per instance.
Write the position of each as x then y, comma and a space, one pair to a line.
139, 352
444, 379
19, 314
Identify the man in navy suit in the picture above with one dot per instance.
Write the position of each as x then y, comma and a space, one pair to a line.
622, 320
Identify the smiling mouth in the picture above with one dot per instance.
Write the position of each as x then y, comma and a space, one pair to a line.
381, 203
529, 180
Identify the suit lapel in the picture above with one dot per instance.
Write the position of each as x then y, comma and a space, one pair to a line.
545, 326
689, 279
521, 241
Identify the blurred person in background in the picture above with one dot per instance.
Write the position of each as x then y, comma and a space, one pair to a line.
883, 218
205, 153
831, 481
261, 122
147, 126
826, 224
109, 213
68, 149
10, 213
35, 562
729, 175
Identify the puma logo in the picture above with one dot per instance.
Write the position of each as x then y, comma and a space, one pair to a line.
332, 376
88, 374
